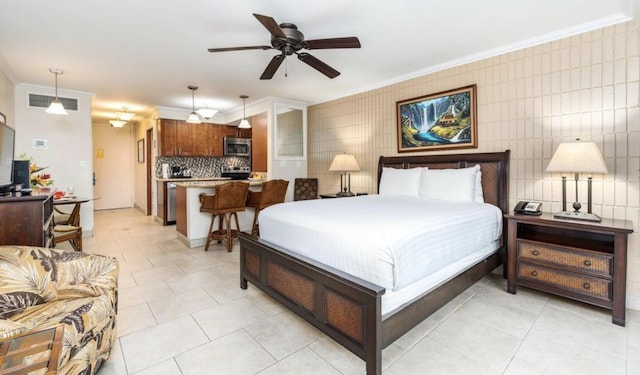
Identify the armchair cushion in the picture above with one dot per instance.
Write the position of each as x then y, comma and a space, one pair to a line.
41, 288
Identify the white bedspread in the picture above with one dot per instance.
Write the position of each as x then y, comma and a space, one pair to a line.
392, 241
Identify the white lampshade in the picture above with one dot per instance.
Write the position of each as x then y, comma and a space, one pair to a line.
244, 124
117, 123
207, 113
577, 157
344, 163
193, 118
56, 108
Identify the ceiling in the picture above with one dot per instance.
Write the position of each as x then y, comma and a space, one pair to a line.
144, 53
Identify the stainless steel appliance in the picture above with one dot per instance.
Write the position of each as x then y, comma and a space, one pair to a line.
171, 203
236, 173
237, 146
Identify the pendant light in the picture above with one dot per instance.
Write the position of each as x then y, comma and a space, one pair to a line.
193, 116
56, 107
244, 124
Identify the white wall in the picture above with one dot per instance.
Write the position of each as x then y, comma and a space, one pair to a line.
69, 150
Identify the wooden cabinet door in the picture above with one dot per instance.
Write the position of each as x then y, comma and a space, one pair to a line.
215, 142
245, 133
186, 138
203, 140
259, 143
229, 131
168, 135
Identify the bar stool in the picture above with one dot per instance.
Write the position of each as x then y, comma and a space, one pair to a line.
272, 192
228, 200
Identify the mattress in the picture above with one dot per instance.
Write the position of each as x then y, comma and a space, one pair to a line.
391, 241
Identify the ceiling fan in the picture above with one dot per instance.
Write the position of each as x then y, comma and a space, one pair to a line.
288, 40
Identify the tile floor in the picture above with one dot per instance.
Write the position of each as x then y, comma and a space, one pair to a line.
182, 312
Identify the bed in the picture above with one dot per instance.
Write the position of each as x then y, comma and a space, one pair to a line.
349, 308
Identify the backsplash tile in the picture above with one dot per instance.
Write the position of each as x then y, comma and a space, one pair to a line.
200, 166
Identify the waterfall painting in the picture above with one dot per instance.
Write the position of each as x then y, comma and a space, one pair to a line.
444, 120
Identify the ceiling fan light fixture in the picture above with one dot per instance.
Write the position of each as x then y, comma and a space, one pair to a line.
56, 107
193, 116
244, 123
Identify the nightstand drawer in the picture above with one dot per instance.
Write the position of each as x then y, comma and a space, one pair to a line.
573, 282
599, 265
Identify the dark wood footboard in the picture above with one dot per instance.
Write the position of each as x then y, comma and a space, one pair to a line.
344, 307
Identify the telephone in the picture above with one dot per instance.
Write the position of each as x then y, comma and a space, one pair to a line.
528, 208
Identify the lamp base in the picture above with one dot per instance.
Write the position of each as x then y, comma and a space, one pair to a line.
573, 215
344, 194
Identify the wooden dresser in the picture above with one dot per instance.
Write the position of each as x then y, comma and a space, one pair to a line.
580, 260
26, 220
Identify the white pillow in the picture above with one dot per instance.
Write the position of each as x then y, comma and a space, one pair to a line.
477, 191
400, 181
449, 184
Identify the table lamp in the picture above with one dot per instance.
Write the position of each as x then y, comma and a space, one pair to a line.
577, 157
344, 163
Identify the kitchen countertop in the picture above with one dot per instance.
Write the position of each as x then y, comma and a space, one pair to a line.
193, 179
212, 183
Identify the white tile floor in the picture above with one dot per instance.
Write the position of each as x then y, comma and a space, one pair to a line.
182, 312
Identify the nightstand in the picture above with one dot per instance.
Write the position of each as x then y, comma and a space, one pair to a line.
584, 261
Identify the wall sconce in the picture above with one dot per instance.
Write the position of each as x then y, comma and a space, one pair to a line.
56, 107
244, 124
344, 163
193, 116
577, 157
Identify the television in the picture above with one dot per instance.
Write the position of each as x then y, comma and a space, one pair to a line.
7, 139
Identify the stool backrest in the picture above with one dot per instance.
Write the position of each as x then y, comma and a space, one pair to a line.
273, 192
229, 197
305, 188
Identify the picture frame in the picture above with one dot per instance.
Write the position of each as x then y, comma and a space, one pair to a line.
141, 150
440, 121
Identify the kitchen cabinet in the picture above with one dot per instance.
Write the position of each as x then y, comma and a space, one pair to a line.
177, 138
206, 138
259, 143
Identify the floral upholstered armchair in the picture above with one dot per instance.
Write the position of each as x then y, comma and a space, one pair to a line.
42, 288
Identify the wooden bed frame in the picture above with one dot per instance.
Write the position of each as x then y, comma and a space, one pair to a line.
348, 309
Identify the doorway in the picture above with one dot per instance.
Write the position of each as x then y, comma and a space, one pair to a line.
112, 166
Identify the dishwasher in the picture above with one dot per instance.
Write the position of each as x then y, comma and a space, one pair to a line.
171, 203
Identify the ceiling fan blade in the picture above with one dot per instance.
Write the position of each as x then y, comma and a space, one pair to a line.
318, 65
270, 24
225, 49
274, 64
347, 42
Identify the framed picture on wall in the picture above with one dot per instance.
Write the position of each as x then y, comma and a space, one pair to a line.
440, 121
141, 150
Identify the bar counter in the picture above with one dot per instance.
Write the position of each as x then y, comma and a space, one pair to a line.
192, 226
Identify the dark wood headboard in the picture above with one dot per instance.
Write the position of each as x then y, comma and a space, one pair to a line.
494, 167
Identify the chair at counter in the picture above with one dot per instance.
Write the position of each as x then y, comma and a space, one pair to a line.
272, 192
228, 199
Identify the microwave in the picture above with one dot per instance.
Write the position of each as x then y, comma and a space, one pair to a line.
237, 146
